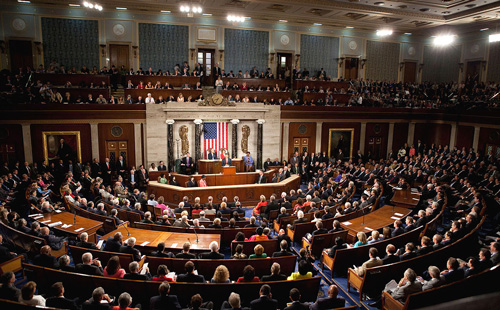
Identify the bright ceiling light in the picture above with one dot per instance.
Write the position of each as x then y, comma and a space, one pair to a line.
233, 18
120, 8
163, 11
283, 21
317, 24
443, 40
349, 27
408, 33
384, 32
23, 1
206, 14
484, 29
74, 5
494, 37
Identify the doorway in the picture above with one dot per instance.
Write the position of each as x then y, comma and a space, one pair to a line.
473, 71
206, 60
351, 68
301, 145
119, 55
284, 63
410, 72
21, 54
115, 149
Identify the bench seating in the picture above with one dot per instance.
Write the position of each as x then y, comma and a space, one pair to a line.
126, 216
13, 305
108, 223
207, 267
79, 285
270, 246
104, 256
320, 242
15, 265
374, 280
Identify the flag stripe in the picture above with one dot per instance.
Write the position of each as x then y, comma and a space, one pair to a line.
216, 136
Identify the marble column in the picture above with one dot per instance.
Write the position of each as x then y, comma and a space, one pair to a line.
319, 131
475, 140
411, 133
284, 141
362, 138
94, 136
170, 144
28, 151
234, 138
390, 138
197, 140
260, 141
453, 136
138, 143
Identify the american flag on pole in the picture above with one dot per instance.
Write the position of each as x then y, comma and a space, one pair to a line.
216, 136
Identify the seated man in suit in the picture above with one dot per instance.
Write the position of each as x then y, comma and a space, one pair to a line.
265, 301
391, 256
136, 273
275, 273
45, 259
58, 300
164, 300
296, 304
64, 264
214, 252
187, 164
128, 248
99, 300
55, 242
406, 286
436, 279
185, 252
282, 214
89, 265
261, 178
113, 244
398, 228
330, 302
374, 261
84, 242
189, 276
284, 250
8, 290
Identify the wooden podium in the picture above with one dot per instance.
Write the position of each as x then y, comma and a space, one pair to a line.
229, 170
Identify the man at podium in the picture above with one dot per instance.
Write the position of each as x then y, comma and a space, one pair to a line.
226, 160
187, 164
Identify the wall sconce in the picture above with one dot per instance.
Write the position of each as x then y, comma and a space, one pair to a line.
401, 66
420, 67
341, 61
273, 56
461, 66
221, 55
363, 62
135, 50
38, 46
192, 50
103, 49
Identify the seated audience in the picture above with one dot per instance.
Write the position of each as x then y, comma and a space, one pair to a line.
248, 275
221, 275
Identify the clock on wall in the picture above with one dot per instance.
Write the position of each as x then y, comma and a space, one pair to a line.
284, 39
118, 29
18, 24
353, 45
411, 51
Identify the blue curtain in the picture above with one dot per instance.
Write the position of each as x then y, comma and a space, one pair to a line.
245, 49
383, 61
162, 46
71, 42
318, 52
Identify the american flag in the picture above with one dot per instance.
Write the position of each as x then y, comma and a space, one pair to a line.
216, 136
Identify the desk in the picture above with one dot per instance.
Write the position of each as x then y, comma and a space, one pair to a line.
374, 221
173, 241
207, 166
175, 81
261, 95
341, 98
300, 84
405, 198
89, 226
247, 192
255, 82
165, 93
75, 79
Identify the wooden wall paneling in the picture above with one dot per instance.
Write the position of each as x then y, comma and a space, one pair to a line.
400, 136
325, 134
11, 143
430, 133
37, 139
376, 133
488, 136
301, 131
465, 136
110, 132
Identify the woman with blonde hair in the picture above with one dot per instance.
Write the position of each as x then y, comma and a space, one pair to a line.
261, 206
361, 239
28, 296
258, 252
221, 275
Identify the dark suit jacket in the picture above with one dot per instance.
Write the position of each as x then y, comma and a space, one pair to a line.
297, 305
164, 302
89, 269
61, 303
261, 180
264, 303
185, 255
130, 250
227, 161
9, 292
389, 259
87, 245
211, 255
280, 254
191, 278
328, 303
112, 245
46, 261
137, 276
274, 277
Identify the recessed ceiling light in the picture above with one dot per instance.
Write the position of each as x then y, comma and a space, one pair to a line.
206, 14
317, 24
74, 5
283, 21
379, 3
165, 11
408, 33
443, 40
494, 37
23, 1
484, 29
349, 27
119, 8
384, 32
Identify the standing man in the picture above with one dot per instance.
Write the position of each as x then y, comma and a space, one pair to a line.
106, 170
187, 164
212, 155
121, 167
248, 160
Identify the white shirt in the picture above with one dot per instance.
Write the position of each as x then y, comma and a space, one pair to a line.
150, 100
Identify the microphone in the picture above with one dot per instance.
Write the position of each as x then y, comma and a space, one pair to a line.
196, 234
74, 216
125, 226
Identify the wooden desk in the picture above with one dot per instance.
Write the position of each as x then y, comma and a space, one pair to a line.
207, 166
173, 241
175, 81
248, 193
300, 84
373, 221
341, 98
255, 82
405, 198
83, 93
165, 93
89, 226
228, 170
261, 95
75, 79
219, 179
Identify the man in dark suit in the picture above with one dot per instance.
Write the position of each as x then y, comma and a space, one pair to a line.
135, 273
212, 155
163, 300
261, 179
107, 170
398, 229
216, 71
89, 265
8, 290
128, 248
45, 259
55, 242
121, 167
161, 166
226, 161
295, 298
391, 256
185, 252
84, 242
113, 244
265, 301
142, 177
284, 250
187, 164
330, 302
58, 300
275, 275
189, 276
214, 252
98, 301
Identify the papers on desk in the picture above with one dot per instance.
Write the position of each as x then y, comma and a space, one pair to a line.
39, 216
397, 188
45, 222
398, 214
395, 218
194, 246
55, 224
66, 225
58, 211
144, 268
347, 223
145, 243
35, 215
368, 228
174, 245
79, 229
417, 199
171, 275
99, 244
